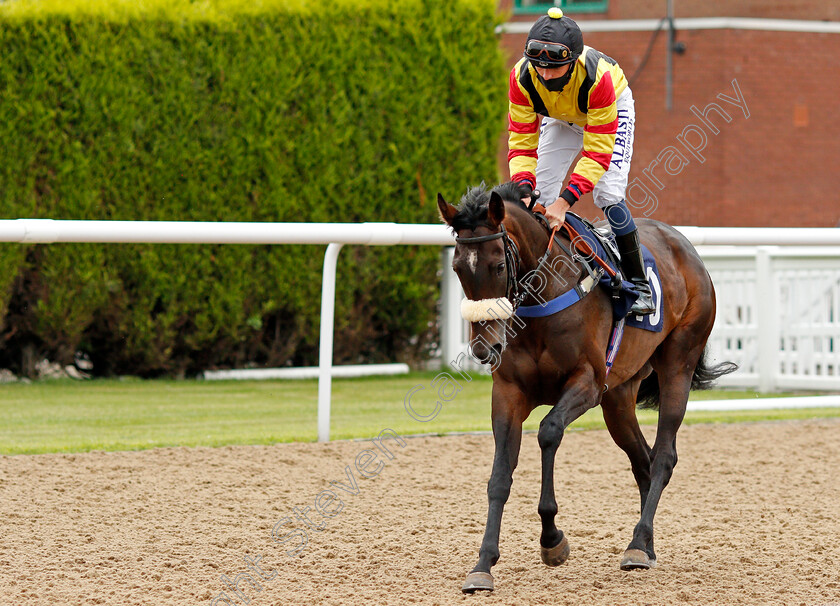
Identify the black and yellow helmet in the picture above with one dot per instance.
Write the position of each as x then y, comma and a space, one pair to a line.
554, 40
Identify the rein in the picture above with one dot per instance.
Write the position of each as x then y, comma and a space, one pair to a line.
575, 238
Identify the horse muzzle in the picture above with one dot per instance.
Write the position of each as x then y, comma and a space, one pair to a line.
486, 353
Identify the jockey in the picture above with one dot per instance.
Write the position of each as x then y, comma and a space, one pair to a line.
585, 102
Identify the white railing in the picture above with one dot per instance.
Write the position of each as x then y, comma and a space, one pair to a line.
335, 235
778, 316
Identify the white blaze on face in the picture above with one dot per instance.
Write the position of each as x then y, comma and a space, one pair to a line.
472, 260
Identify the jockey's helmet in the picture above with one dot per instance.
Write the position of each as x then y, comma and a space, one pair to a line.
554, 40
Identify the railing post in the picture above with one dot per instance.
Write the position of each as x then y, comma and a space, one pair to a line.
450, 309
767, 320
325, 350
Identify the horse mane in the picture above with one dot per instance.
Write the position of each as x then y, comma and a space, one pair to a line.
472, 211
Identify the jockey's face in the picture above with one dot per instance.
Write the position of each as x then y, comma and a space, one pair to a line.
550, 73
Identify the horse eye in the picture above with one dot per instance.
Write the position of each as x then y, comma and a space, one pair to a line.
500, 269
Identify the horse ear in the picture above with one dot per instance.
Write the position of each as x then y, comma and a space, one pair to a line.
447, 211
495, 210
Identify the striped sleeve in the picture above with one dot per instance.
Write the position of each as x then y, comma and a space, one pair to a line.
598, 135
523, 131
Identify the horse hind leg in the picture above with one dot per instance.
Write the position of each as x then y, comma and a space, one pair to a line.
619, 409
677, 360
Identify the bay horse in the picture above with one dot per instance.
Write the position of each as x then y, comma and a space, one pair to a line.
559, 360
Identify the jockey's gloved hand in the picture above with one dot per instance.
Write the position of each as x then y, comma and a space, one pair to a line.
528, 195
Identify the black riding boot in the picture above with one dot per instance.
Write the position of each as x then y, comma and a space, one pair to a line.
633, 268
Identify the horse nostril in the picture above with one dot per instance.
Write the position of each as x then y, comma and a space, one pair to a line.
485, 354
479, 352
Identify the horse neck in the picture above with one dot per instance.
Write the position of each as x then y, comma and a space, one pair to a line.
532, 239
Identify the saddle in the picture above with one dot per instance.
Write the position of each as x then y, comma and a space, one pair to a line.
602, 261
606, 237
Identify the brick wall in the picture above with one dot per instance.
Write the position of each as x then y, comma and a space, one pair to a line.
778, 167
765, 9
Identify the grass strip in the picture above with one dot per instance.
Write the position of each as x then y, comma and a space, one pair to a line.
132, 414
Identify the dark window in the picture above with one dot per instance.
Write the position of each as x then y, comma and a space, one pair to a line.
525, 7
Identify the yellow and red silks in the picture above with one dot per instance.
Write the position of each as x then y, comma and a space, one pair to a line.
588, 100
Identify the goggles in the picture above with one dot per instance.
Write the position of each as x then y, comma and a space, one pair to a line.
552, 52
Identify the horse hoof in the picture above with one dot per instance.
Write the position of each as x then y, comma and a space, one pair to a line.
554, 556
478, 581
636, 559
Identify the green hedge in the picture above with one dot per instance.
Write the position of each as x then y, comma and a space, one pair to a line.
234, 111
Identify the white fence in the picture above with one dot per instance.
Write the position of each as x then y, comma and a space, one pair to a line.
778, 315
336, 235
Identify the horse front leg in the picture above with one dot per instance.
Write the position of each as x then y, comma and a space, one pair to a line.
579, 396
509, 411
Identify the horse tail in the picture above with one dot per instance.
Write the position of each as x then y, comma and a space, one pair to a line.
704, 377
648, 395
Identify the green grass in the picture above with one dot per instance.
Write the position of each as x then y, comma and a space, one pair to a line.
71, 416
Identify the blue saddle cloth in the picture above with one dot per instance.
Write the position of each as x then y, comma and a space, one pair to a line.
628, 294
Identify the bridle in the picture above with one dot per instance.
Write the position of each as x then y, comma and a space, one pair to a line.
512, 261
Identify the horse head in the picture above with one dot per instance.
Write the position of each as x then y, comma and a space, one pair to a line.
486, 262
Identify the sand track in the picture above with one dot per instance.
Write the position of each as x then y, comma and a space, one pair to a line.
750, 517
